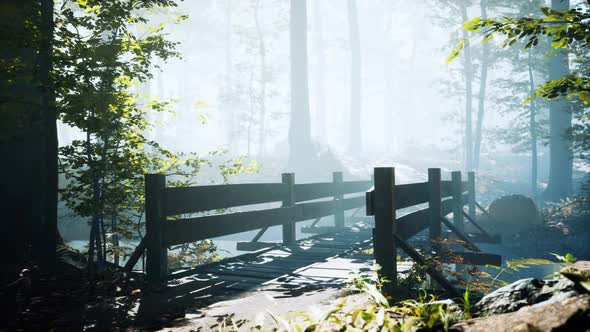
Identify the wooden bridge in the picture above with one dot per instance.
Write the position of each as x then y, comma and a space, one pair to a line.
325, 260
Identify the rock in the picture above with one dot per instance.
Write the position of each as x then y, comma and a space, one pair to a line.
513, 214
524, 292
572, 314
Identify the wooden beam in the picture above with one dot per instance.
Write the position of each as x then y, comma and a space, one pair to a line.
385, 226
468, 244
204, 198
434, 208
289, 232
254, 246
135, 256
412, 223
157, 253
195, 229
435, 274
484, 211
483, 231
369, 202
471, 191
411, 194
458, 200
339, 212
310, 191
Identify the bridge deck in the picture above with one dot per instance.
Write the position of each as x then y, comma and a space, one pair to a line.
277, 279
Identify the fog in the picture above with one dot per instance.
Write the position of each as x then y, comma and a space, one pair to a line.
412, 103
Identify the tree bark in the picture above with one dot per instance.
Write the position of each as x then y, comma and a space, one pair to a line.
533, 129
262, 92
320, 104
468, 74
300, 144
482, 94
388, 100
354, 132
560, 124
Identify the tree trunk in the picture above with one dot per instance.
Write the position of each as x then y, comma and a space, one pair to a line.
300, 144
28, 137
560, 124
228, 88
482, 94
533, 130
468, 145
262, 92
320, 110
388, 101
354, 132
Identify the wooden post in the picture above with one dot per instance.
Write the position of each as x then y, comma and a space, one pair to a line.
471, 187
434, 208
157, 259
457, 200
289, 232
339, 214
384, 208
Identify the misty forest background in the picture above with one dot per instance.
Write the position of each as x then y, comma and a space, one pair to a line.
231, 91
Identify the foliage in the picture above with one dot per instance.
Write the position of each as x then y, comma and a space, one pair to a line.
103, 50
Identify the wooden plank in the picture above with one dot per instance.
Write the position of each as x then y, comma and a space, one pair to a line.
352, 202
474, 223
311, 191
317, 229
411, 194
204, 198
195, 229
312, 210
464, 186
254, 246
351, 187
446, 188
413, 223
339, 212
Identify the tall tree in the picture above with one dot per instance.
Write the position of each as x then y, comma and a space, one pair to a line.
468, 75
483, 80
354, 131
388, 101
320, 102
262, 79
560, 124
28, 137
300, 144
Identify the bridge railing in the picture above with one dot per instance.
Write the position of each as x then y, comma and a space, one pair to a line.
165, 207
443, 198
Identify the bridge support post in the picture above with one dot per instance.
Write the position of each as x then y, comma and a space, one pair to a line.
457, 200
289, 231
384, 244
471, 188
157, 253
339, 214
434, 208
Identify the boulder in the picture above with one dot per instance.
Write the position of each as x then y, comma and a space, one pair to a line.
524, 292
571, 314
513, 214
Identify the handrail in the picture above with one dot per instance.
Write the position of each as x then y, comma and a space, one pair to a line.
298, 204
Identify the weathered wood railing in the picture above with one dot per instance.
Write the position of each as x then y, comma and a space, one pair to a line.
443, 198
165, 207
